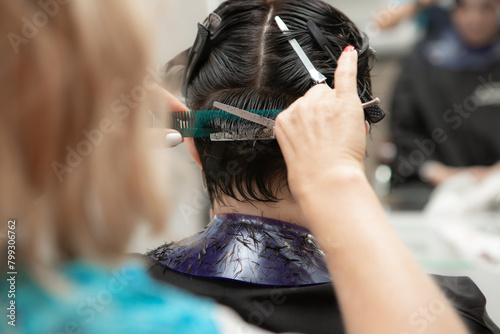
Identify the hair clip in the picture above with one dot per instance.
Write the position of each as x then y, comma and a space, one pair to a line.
373, 113
213, 22
321, 40
316, 75
201, 47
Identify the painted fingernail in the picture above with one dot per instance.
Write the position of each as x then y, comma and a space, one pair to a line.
349, 48
173, 139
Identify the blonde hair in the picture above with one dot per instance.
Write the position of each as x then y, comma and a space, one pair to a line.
75, 81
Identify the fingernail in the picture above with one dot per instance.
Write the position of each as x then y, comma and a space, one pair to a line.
349, 48
173, 139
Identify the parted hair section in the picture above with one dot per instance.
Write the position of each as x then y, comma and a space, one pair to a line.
251, 65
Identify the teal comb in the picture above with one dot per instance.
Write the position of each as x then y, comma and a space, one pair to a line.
196, 123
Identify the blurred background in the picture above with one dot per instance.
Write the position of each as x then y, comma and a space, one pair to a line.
447, 213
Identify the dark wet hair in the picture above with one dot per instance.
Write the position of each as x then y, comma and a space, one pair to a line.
252, 66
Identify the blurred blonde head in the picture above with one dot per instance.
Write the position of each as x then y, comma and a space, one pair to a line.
75, 81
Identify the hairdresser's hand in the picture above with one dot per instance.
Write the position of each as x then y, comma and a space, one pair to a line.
323, 134
322, 138
162, 100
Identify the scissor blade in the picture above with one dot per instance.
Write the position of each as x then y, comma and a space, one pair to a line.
313, 72
267, 122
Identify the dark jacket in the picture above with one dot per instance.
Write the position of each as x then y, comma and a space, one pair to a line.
446, 106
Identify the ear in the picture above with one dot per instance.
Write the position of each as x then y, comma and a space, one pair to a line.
189, 142
367, 127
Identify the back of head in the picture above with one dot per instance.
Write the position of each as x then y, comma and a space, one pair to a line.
252, 66
71, 161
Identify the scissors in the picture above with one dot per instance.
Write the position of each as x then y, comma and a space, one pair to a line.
269, 124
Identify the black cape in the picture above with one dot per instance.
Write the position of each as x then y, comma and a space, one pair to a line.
313, 309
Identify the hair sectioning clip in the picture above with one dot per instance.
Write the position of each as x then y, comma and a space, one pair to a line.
373, 112
201, 48
316, 75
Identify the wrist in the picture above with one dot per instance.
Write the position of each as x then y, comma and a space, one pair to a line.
333, 204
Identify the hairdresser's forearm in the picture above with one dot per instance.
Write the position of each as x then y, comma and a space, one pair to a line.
378, 283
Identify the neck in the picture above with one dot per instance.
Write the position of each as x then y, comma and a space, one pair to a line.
286, 209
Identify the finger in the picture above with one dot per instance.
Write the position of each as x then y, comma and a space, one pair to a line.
316, 93
346, 74
173, 138
164, 138
286, 123
173, 103
293, 105
164, 101
284, 141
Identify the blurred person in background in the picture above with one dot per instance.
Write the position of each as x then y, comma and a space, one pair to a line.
256, 254
446, 105
430, 16
397, 11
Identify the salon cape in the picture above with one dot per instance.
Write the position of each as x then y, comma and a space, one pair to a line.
274, 275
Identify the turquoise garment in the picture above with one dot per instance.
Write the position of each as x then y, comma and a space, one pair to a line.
98, 300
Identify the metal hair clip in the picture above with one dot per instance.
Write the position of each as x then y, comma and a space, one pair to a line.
317, 76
